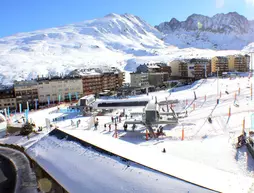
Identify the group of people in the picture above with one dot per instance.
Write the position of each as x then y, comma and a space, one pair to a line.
77, 123
109, 127
116, 119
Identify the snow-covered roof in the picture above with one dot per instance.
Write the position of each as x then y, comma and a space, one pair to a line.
80, 167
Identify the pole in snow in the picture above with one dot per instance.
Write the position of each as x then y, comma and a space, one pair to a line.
8, 111
229, 112
115, 131
48, 100
20, 108
59, 98
27, 105
70, 96
182, 134
76, 95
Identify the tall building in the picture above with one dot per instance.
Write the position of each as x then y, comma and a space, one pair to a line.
241, 63
202, 67
96, 80
7, 98
26, 91
221, 63
59, 88
158, 78
139, 79
183, 68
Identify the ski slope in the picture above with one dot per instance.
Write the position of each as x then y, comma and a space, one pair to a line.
207, 148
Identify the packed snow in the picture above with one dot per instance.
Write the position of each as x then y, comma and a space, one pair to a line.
83, 169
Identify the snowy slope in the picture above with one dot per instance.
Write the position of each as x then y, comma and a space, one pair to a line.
104, 41
222, 31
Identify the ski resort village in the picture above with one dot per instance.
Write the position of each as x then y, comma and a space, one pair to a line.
115, 105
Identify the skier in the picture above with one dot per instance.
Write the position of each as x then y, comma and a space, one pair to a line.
126, 116
96, 125
109, 126
105, 126
112, 119
133, 127
125, 127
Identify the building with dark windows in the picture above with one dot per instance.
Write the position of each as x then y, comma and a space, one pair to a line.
7, 98
26, 91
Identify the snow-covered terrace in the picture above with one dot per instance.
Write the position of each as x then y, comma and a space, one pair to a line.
81, 167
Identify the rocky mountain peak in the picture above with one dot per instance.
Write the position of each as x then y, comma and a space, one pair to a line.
231, 22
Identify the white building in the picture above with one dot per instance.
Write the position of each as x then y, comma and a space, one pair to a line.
52, 88
175, 68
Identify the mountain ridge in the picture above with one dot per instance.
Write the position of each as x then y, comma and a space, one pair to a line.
232, 29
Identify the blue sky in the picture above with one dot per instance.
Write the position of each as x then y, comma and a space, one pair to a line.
28, 15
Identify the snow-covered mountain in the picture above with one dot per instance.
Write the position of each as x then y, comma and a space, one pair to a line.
222, 31
124, 41
105, 41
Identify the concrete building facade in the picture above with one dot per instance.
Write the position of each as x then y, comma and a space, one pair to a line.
51, 88
139, 79
97, 80
7, 98
221, 63
158, 79
26, 91
202, 67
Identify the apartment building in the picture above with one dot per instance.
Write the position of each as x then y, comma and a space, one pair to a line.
158, 78
7, 98
139, 79
221, 63
202, 67
239, 63
174, 66
183, 68
55, 89
96, 80
26, 91
165, 68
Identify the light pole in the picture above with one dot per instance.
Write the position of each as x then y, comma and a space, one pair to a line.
218, 82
